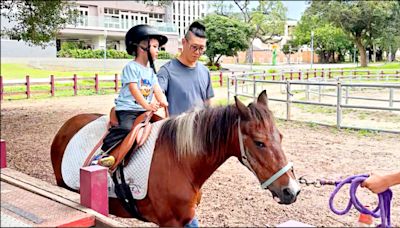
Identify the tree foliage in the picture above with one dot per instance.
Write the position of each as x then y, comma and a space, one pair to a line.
225, 36
328, 39
267, 19
362, 21
36, 21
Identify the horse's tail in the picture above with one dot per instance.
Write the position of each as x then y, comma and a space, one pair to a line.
62, 138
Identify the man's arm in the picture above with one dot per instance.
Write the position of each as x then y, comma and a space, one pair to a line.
163, 78
208, 102
209, 91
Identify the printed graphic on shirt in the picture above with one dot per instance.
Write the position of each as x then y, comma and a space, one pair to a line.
145, 87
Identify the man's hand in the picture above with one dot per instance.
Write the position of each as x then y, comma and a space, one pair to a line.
376, 183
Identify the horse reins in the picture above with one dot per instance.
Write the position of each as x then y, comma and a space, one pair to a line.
244, 160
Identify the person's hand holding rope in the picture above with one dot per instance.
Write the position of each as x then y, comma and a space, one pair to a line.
379, 183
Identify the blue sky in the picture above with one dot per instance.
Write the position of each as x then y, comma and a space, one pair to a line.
295, 8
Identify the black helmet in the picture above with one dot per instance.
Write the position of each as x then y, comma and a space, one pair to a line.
142, 32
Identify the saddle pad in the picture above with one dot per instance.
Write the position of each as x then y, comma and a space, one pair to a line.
136, 172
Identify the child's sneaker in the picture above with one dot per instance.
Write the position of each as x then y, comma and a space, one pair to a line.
95, 160
107, 161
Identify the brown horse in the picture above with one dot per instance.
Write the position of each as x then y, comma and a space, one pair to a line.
190, 147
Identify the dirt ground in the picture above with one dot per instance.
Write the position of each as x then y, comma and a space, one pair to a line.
232, 196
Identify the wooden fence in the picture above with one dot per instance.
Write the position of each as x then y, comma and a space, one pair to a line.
217, 78
61, 81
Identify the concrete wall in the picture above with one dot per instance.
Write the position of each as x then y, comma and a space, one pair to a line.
14, 48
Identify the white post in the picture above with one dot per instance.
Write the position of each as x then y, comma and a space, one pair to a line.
338, 105
105, 50
312, 49
288, 100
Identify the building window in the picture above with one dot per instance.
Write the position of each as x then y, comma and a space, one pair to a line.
111, 18
83, 18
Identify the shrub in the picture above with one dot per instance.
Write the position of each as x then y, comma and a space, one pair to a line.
92, 54
164, 55
177, 55
203, 58
213, 68
68, 45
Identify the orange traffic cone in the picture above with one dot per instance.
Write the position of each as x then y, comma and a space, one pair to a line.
365, 220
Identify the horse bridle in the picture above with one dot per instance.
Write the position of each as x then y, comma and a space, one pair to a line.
244, 160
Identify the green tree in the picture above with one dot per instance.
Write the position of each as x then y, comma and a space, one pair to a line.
390, 35
267, 19
287, 49
362, 21
36, 21
225, 36
328, 39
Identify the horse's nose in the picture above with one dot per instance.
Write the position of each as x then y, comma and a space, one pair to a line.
289, 195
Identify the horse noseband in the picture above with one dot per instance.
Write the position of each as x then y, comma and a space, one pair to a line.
245, 162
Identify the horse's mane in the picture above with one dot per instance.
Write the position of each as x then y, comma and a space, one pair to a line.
205, 131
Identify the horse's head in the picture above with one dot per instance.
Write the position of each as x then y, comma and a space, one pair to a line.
261, 150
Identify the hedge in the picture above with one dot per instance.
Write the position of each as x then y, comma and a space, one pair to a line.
99, 54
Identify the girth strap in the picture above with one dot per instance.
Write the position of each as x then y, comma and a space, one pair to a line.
124, 193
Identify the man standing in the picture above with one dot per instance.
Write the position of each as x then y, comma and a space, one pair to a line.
185, 81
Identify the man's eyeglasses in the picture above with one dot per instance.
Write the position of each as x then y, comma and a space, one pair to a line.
195, 48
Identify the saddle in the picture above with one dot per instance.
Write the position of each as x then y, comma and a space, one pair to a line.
141, 129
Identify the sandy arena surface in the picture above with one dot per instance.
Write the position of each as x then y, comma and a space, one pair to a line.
232, 196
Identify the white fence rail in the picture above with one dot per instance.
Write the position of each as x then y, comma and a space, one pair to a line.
336, 88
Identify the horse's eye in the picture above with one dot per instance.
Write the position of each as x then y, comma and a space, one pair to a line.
259, 144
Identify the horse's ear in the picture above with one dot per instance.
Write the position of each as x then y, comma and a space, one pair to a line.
263, 98
243, 110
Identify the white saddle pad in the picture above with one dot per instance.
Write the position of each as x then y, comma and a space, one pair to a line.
81, 144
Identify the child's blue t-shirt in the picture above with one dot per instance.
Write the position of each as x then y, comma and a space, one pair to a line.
145, 78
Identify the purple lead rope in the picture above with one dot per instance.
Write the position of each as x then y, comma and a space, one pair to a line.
382, 210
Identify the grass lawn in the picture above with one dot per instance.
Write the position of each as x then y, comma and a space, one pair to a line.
19, 71
386, 66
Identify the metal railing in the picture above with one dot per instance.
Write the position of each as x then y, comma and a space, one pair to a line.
253, 80
117, 23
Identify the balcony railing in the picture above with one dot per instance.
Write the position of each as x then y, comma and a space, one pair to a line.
117, 23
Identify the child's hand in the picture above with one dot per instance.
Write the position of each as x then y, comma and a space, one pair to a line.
152, 107
164, 104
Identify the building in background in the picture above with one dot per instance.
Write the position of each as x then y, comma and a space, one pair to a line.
103, 24
106, 22
186, 12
